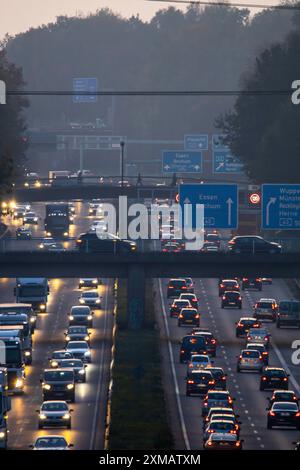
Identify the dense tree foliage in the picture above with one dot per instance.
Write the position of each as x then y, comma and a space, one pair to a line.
204, 48
264, 131
12, 125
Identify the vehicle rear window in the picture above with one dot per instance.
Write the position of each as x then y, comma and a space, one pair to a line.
275, 373
253, 354
190, 342
217, 396
285, 406
264, 304
178, 283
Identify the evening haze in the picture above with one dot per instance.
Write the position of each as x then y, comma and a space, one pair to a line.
18, 16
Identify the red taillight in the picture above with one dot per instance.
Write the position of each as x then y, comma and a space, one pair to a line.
182, 351
271, 413
285, 379
241, 357
222, 285
224, 377
297, 414
210, 431
183, 288
213, 341
197, 316
191, 382
173, 306
232, 242
245, 279
295, 398
233, 431
230, 401
171, 287
211, 382
264, 378
180, 316
266, 338
164, 250
224, 298
240, 298
238, 443
265, 353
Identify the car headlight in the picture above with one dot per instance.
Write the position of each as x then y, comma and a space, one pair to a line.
47, 386
94, 281
42, 416
32, 319
67, 415
81, 301
98, 301
66, 234
35, 219
2, 435
81, 281
87, 353
54, 364
90, 317
19, 383
27, 353
70, 386
81, 371
42, 307
68, 338
49, 234
87, 338
71, 317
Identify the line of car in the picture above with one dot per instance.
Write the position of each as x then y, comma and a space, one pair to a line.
67, 367
221, 427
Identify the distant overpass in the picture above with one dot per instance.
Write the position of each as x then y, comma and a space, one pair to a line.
137, 267
81, 191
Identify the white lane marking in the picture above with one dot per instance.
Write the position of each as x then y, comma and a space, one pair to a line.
99, 384
179, 405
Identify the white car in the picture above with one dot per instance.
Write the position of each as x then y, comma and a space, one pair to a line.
30, 218
80, 350
199, 361
90, 298
54, 413
51, 443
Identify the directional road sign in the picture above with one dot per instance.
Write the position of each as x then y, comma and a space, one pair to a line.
85, 84
181, 162
196, 142
218, 142
220, 203
225, 162
281, 206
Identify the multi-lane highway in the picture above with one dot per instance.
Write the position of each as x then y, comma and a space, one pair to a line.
250, 403
88, 418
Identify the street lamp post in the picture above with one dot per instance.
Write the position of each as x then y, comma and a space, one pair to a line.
122, 146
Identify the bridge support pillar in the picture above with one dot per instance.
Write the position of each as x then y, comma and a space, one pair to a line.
136, 296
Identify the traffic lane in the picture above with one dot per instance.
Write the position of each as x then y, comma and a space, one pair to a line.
192, 406
48, 337
243, 386
246, 383
81, 224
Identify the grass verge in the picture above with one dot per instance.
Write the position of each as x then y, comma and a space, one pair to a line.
138, 410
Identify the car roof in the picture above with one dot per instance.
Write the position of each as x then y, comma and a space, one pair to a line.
274, 368
266, 300
278, 404
247, 319
291, 392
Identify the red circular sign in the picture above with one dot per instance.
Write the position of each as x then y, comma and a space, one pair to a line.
254, 198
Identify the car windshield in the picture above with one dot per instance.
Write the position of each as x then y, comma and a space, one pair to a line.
54, 406
58, 375
276, 373
77, 329
285, 406
59, 355
264, 304
217, 396
253, 354
179, 283
51, 442
90, 295
77, 345
71, 363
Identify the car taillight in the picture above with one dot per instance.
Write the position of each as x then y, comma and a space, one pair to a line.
245, 279
210, 431
271, 413
266, 338
285, 379
297, 414
265, 353
238, 443
222, 285
171, 287
224, 298
213, 341
209, 443
164, 250
236, 426
295, 398
182, 351
183, 288
180, 316
260, 358
233, 431
240, 298
173, 306
264, 378
241, 357
197, 315
231, 242
224, 377
211, 382
230, 401
191, 382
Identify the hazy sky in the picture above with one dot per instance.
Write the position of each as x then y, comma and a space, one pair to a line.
19, 15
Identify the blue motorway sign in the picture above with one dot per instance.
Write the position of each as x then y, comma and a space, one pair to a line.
196, 142
225, 162
181, 162
82, 85
217, 142
220, 203
281, 206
